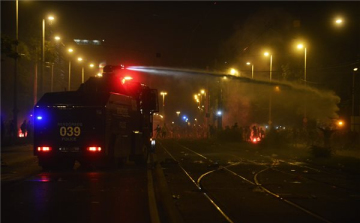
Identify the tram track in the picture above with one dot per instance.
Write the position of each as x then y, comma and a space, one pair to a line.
332, 185
254, 182
257, 183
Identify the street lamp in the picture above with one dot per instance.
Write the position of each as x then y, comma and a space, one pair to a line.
82, 70
233, 71
353, 101
300, 46
70, 50
268, 54
338, 21
15, 109
163, 93
178, 113
51, 18
270, 97
252, 69
52, 75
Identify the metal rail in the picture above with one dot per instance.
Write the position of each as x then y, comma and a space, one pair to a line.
199, 187
256, 182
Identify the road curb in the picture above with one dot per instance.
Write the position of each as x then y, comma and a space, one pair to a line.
154, 213
165, 202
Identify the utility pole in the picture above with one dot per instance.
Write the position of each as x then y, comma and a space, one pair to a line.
15, 109
220, 107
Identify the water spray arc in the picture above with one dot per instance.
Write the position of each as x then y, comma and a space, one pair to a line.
320, 104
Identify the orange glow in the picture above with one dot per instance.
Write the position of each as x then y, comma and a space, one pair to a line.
127, 78
340, 123
21, 135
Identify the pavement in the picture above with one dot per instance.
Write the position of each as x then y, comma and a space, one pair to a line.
161, 205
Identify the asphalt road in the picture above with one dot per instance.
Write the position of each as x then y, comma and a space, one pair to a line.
193, 182
213, 182
30, 195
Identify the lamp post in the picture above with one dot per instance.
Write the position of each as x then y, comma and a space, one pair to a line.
252, 69
300, 46
51, 66
163, 93
270, 95
80, 59
15, 109
70, 50
43, 56
353, 102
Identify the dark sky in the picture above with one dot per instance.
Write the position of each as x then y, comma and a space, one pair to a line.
192, 34
180, 31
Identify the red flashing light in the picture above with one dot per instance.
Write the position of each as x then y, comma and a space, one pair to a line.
94, 149
44, 149
127, 78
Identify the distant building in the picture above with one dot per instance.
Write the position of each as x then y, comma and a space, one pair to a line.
88, 42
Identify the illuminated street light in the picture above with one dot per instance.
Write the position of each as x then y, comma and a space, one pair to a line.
178, 113
51, 18
339, 21
91, 65
163, 93
233, 71
340, 123
57, 38
70, 50
252, 69
15, 109
267, 54
301, 46
82, 70
353, 101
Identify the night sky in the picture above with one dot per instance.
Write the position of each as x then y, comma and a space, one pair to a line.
201, 35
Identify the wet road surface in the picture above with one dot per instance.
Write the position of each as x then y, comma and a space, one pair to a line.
30, 195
